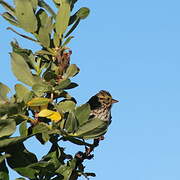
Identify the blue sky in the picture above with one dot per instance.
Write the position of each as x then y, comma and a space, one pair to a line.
132, 49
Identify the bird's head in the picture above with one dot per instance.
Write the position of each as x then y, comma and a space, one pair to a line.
105, 98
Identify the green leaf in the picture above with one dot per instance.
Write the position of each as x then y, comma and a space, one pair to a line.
8, 142
19, 50
3, 157
7, 127
50, 76
71, 123
25, 15
91, 129
71, 86
44, 167
9, 109
55, 156
45, 137
77, 141
22, 35
73, 27
11, 141
20, 159
4, 90
61, 124
44, 5
82, 113
41, 128
71, 71
26, 171
45, 29
66, 106
23, 129
72, 19
56, 40
41, 88
19, 118
44, 37
29, 96
62, 18
83, 13
94, 134
57, 1
8, 17
67, 41
22, 92
8, 7
72, 4
38, 102
63, 84
34, 4
4, 173
42, 17
21, 70
20, 178
43, 52
67, 169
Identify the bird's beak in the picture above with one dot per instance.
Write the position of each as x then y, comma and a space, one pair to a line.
114, 101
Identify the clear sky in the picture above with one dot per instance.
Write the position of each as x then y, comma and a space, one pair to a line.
132, 49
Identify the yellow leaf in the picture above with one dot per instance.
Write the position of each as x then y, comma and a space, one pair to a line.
55, 117
45, 113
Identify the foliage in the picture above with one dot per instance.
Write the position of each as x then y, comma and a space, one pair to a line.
41, 106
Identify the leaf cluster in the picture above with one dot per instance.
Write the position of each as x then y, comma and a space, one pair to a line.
42, 106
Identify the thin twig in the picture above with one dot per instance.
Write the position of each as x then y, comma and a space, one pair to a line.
81, 156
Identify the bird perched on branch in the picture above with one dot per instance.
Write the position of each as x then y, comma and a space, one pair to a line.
94, 117
101, 105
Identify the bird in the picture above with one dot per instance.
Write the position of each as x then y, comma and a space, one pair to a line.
95, 124
100, 105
